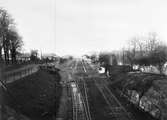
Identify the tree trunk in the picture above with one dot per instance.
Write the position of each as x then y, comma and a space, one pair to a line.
8, 56
160, 69
13, 55
0, 53
5, 49
5, 55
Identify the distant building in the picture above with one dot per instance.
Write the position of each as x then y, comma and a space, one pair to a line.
49, 56
23, 57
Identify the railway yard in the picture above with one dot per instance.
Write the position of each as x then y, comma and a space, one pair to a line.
75, 90
83, 60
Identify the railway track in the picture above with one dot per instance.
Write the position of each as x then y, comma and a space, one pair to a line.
83, 89
80, 107
118, 112
78, 113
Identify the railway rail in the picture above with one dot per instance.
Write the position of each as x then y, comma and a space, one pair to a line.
83, 89
80, 106
118, 112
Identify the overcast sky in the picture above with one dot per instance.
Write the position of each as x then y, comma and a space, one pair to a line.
80, 26
35, 21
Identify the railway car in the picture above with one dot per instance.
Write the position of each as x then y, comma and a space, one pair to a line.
143, 104
49, 67
148, 106
134, 97
115, 70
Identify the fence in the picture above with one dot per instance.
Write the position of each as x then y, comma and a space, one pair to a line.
153, 69
16, 75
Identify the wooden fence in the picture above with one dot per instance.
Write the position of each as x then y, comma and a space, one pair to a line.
18, 74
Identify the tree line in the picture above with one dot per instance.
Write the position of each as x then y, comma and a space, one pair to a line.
10, 40
143, 51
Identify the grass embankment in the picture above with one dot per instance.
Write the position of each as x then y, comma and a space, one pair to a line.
151, 89
36, 96
11, 67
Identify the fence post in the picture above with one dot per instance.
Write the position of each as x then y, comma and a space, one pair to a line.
20, 74
14, 75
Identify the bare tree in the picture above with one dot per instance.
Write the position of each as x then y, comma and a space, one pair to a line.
10, 41
152, 42
135, 49
15, 43
5, 22
145, 51
0, 49
159, 57
141, 46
